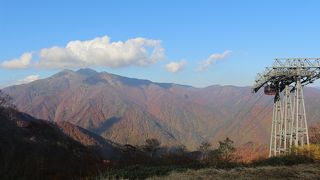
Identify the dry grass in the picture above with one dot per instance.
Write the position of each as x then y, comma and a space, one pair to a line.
303, 171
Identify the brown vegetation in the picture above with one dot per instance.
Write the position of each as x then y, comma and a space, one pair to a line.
129, 111
314, 134
251, 151
38, 149
302, 171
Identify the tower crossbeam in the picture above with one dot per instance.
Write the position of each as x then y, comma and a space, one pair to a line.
289, 69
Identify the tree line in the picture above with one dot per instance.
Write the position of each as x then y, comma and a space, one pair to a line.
153, 153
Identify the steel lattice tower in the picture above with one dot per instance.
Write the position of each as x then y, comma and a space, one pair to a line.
285, 81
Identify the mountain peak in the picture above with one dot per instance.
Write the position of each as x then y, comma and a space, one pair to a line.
63, 73
67, 71
86, 72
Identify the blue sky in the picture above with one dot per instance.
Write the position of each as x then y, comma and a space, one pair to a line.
249, 33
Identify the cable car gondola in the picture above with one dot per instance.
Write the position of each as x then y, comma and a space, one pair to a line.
270, 90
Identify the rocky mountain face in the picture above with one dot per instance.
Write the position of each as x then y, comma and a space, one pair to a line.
127, 110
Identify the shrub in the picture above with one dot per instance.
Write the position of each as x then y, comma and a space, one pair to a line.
314, 134
312, 151
226, 150
283, 160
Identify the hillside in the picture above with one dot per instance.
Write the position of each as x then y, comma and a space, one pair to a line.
127, 110
100, 146
38, 149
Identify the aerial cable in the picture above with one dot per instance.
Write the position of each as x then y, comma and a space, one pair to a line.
254, 104
247, 102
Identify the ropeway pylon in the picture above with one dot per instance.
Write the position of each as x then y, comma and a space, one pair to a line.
289, 123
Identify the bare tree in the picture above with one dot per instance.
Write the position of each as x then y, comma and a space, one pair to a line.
151, 146
5, 100
6, 105
206, 150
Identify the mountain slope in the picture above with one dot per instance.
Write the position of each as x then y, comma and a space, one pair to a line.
127, 110
38, 149
100, 146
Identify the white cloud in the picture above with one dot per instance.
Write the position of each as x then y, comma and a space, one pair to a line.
175, 66
97, 52
204, 65
28, 79
20, 63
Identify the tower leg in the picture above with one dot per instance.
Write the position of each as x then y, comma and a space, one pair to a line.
281, 128
276, 129
300, 133
272, 137
287, 120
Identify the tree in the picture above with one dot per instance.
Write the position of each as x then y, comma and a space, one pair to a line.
5, 100
181, 149
226, 150
151, 146
206, 151
6, 104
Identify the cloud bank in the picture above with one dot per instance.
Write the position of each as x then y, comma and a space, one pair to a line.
28, 79
96, 52
20, 63
175, 66
204, 65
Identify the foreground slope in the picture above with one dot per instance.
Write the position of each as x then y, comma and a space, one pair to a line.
127, 110
38, 149
303, 171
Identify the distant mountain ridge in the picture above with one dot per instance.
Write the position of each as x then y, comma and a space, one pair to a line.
128, 110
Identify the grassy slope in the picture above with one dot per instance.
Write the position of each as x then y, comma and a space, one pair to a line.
302, 171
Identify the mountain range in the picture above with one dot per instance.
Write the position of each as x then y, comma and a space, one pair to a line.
128, 111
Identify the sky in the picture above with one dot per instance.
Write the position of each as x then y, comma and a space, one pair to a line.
195, 42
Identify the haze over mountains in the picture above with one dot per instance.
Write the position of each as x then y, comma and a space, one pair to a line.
127, 110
